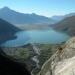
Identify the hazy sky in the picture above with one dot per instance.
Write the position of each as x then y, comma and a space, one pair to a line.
41, 7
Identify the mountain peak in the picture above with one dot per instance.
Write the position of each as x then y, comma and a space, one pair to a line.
5, 7
34, 14
16, 17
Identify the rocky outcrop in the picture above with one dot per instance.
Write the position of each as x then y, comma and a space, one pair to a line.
65, 67
62, 62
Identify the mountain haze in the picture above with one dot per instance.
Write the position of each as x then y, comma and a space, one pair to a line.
21, 18
61, 17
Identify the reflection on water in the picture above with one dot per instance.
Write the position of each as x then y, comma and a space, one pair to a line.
36, 36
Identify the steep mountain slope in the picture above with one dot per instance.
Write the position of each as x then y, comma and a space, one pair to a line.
7, 31
67, 25
62, 62
21, 18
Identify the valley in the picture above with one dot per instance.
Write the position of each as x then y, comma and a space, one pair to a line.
37, 40
33, 55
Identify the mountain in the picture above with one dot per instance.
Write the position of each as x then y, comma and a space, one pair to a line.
62, 62
21, 18
57, 18
69, 15
7, 31
61, 17
66, 25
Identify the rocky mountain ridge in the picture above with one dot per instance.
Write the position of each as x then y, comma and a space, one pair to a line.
62, 62
15, 17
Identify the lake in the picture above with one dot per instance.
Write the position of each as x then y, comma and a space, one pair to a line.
36, 36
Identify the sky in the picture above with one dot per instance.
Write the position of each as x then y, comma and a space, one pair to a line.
41, 7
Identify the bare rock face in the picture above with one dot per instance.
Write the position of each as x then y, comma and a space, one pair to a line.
62, 62
65, 67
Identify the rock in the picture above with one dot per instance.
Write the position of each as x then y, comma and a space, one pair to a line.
65, 67
62, 62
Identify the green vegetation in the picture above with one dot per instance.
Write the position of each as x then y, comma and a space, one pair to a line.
46, 52
25, 53
21, 54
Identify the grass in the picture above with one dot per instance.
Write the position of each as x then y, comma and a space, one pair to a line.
46, 51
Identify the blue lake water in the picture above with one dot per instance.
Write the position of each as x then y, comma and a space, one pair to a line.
36, 36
